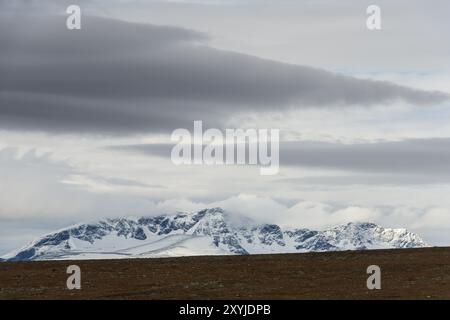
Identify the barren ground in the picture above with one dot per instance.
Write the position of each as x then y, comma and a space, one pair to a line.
406, 274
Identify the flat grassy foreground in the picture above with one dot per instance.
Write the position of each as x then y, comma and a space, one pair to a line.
405, 274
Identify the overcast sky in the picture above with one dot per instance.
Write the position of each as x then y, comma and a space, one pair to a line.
86, 116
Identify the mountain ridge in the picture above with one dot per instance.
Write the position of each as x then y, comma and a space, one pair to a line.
205, 232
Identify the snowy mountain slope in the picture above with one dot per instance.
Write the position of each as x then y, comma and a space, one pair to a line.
207, 232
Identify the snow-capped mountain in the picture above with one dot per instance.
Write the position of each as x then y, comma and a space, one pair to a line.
207, 232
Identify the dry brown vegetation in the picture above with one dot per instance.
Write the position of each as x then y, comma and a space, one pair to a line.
406, 274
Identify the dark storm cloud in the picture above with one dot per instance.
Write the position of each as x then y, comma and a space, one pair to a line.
414, 161
119, 77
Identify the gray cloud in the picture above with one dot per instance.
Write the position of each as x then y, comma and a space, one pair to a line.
413, 161
119, 77
126, 182
379, 179
413, 156
407, 162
